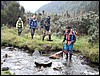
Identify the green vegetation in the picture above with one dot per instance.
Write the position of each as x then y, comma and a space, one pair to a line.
87, 26
6, 73
10, 11
91, 52
10, 37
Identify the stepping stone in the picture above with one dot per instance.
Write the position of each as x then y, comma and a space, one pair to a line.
43, 61
5, 68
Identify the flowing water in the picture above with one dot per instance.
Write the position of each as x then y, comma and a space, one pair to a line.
22, 63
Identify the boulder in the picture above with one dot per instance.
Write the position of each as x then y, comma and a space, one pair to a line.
5, 68
57, 68
42, 61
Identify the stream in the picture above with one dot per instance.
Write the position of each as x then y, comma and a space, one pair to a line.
22, 63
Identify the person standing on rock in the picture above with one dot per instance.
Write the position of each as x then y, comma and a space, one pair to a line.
19, 26
33, 24
70, 38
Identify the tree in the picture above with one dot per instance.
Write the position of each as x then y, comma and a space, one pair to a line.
11, 13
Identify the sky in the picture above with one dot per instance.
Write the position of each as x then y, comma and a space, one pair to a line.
32, 6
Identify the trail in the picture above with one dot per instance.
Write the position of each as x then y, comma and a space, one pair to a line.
22, 63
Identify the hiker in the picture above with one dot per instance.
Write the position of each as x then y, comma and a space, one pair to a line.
19, 26
33, 24
42, 22
28, 21
70, 38
46, 28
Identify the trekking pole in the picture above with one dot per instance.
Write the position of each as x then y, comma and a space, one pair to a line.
62, 51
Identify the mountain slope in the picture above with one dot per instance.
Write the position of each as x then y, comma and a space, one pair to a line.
62, 6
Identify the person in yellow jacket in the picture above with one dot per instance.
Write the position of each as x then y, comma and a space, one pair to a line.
19, 26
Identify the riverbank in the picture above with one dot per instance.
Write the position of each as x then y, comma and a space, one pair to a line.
6, 73
10, 37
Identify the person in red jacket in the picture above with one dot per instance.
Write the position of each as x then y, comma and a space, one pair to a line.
70, 38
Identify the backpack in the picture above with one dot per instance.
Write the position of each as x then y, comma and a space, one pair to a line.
69, 36
19, 24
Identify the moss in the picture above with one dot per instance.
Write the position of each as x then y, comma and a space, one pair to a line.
6, 73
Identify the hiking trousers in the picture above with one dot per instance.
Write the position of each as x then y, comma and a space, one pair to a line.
19, 31
32, 32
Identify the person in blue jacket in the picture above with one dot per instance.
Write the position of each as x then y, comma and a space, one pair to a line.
33, 24
70, 38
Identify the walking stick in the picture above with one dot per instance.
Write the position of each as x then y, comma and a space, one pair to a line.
63, 51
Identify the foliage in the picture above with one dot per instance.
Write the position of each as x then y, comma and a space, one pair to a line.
91, 23
88, 51
10, 14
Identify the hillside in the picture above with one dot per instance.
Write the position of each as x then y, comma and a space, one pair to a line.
62, 6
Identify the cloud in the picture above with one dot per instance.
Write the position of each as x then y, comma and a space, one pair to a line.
32, 6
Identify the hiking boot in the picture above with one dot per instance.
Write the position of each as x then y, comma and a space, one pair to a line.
49, 38
32, 36
43, 38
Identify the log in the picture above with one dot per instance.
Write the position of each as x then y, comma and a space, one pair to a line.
56, 55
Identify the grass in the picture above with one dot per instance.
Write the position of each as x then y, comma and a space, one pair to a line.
89, 51
6, 73
10, 37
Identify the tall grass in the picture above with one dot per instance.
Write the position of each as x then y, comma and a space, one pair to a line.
89, 51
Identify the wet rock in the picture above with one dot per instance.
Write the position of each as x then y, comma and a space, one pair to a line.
56, 55
43, 62
5, 56
57, 68
36, 53
1, 62
15, 49
3, 47
85, 62
5, 68
80, 57
27, 51
11, 48
4, 60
